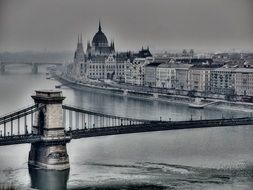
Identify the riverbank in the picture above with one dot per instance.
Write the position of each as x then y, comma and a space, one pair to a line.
152, 96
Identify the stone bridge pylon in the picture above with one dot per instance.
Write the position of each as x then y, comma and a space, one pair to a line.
50, 151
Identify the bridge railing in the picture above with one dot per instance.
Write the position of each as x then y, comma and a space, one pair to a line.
19, 111
18, 123
76, 118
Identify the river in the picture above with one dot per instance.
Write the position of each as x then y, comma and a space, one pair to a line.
210, 158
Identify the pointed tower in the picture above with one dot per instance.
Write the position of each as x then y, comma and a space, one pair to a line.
99, 27
112, 47
88, 50
79, 53
88, 45
99, 43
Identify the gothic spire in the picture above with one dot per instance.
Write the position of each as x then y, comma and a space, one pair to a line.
99, 27
88, 45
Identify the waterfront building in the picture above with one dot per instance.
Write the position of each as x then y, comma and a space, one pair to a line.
199, 78
100, 45
100, 62
136, 71
112, 67
182, 76
243, 81
103, 62
150, 74
166, 76
222, 81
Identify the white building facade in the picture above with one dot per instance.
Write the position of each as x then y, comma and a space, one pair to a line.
199, 79
243, 81
102, 62
150, 76
182, 76
136, 71
222, 81
166, 76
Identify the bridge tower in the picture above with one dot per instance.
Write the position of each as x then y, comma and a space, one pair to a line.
50, 152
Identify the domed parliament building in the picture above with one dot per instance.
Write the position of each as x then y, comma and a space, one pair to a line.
100, 45
101, 61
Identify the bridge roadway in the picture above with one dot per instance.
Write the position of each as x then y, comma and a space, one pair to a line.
126, 129
34, 65
29, 63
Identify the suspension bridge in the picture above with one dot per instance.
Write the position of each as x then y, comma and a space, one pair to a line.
48, 125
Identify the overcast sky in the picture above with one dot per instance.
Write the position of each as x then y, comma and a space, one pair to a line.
53, 25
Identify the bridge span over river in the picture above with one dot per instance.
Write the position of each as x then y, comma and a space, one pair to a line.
48, 125
34, 65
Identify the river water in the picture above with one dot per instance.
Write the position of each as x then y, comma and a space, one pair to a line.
211, 158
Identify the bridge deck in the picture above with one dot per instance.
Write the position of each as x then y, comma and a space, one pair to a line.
157, 126
91, 124
31, 138
126, 129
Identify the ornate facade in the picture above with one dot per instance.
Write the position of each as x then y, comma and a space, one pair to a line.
101, 60
100, 45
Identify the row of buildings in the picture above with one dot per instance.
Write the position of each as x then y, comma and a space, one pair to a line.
101, 62
200, 78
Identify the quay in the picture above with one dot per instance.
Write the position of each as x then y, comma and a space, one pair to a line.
152, 95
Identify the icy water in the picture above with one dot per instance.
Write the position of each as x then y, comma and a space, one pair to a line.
211, 158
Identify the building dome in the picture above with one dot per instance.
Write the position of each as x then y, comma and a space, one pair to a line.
99, 45
100, 39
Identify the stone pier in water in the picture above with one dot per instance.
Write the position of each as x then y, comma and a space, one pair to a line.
50, 152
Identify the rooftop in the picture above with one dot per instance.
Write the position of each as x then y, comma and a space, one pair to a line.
244, 70
153, 64
223, 69
175, 65
194, 60
205, 66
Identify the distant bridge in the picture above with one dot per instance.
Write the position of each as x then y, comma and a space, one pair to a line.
34, 65
48, 124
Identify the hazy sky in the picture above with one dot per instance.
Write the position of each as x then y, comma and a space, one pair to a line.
53, 25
